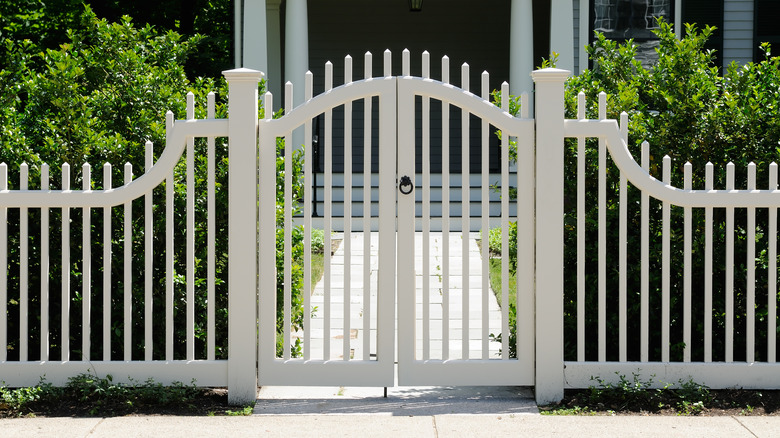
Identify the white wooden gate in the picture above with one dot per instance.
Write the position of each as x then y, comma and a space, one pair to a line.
447, 314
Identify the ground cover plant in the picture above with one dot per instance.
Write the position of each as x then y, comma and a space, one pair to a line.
87, 395
633, 395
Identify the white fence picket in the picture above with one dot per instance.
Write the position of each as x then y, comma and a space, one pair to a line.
730, 268
65, 272
107, 267
45, 268
128, 271
24, 241
86, 268
708, 185
772, 273
148, 261
3, 272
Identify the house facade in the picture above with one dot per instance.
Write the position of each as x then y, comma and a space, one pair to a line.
507, 38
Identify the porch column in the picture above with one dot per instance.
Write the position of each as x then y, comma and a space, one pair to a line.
549, 234
296, 54
296, 47
562, 32
521, 50
237, 34
255, 46
273, 76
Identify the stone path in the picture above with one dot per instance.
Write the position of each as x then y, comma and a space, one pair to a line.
435, 280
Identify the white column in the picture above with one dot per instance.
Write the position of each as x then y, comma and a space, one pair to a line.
562, 32
242, 271
549, 234
255, 48
521, 49
296, 54
678, 24
237, 17
296, 47
273, 76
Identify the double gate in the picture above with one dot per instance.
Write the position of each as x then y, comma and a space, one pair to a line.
394, 295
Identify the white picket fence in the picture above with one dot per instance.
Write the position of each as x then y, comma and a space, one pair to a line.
55, 360
716, 372
247, 253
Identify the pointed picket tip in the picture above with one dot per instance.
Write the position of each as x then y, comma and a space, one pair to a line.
425, 52
368, 53
328, 64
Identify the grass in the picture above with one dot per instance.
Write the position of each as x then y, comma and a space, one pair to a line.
495, 275
495, 282
317, 268
318, 255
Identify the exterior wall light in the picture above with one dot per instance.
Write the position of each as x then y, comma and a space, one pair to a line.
415, 5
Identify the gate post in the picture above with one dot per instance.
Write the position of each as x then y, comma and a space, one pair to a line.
242, 226
549, 233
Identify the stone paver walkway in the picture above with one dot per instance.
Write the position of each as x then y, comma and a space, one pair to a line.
357, 262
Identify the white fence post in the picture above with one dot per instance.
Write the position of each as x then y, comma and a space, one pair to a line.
549, 233
242, 223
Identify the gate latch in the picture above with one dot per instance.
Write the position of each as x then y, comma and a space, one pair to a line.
406, 182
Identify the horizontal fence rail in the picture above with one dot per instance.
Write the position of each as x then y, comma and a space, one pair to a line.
681, 306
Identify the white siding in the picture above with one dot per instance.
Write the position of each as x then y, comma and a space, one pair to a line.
476, 35
737, 31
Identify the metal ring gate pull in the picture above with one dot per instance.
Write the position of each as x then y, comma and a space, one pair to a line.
406, 181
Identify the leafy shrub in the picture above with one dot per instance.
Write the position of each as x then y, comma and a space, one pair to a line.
685, 109
97, 97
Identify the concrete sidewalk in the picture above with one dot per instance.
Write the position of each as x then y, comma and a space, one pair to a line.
515, 425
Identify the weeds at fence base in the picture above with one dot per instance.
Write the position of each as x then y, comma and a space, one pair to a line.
636, 396
87, 395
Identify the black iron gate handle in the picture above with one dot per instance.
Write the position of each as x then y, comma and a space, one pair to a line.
406, 182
